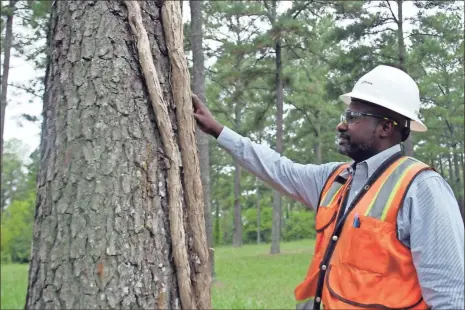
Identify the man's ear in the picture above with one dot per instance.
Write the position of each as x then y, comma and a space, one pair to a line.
386, 129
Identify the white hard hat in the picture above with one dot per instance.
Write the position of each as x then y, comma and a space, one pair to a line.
391, 88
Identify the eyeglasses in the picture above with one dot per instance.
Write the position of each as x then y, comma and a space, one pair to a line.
350, 117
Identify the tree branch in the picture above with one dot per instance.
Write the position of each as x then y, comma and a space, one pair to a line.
267, 12
28, 90
425, 34
440, 88
298, 9
305, 114
392, 12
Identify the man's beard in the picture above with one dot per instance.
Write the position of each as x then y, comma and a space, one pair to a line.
357, 151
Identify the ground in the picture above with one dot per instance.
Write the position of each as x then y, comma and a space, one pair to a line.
247, 277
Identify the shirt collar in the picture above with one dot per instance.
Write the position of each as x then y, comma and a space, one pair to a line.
373, 163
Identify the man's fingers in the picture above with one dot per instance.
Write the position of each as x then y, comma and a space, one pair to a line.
196, 101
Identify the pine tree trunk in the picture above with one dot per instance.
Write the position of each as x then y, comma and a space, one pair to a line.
319, 156
441, 167
277, 199
451, 169
317, 150
258, 209
7, 44
217, 223
237, 238
112, 226
462, 209
202, 138
401, 54
462, 161
458, 181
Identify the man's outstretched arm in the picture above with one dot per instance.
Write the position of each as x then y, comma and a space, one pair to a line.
301, 182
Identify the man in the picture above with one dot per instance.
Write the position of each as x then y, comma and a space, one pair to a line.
389, 230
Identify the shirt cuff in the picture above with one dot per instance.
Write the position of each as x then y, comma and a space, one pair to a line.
228, 139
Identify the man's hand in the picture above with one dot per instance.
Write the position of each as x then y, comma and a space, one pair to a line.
204, 118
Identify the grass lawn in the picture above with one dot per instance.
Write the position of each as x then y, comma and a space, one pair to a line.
13, 286
246, 278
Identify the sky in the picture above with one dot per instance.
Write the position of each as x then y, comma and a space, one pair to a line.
21, 71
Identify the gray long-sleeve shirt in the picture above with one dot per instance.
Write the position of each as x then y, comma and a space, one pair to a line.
429, 222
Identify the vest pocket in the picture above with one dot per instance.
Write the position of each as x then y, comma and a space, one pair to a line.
366, 244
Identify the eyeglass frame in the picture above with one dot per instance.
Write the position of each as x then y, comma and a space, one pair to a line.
344, 120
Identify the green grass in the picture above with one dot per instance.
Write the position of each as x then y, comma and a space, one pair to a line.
246, 278
13, 286
250, 278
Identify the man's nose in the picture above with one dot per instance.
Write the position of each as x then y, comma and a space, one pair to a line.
342, 126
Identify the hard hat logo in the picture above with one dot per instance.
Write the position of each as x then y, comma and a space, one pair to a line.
392, 89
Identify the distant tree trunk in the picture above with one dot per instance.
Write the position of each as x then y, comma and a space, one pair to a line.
456, 166
319, 155
257, 182
217, 223
115, 210
237, 239
277, 200
7, 44
451, 169
458, 181
401, 54
202, 138
462, 159
461, 189
441, 167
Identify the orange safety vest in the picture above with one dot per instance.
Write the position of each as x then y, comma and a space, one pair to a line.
361, 263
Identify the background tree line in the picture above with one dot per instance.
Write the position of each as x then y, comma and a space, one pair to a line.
273, 72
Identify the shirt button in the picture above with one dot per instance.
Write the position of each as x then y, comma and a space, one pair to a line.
318, 299
335, 238
323, 267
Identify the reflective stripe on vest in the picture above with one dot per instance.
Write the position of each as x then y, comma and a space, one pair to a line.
383, 199
332, 187
329, 196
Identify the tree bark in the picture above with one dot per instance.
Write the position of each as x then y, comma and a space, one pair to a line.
202, 138
119, 214
277, 200
7, 44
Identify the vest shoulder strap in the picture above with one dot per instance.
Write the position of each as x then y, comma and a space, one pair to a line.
392, 190
333, 183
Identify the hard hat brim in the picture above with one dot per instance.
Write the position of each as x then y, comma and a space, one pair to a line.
415, 125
